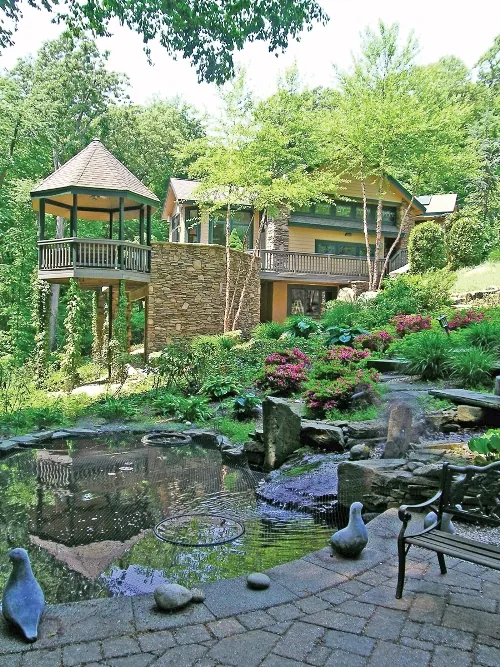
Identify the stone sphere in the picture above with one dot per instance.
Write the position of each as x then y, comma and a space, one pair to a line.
258, 581
172, 596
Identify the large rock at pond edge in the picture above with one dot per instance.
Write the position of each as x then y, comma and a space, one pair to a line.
281, 423
359, 452
370, 481
372, 428
320, 434
469, 414
172, 596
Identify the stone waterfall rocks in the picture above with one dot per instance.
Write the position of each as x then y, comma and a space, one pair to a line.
281, 423
351, 541
320, 434
398, 432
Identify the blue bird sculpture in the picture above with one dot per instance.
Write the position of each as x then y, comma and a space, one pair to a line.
23, 600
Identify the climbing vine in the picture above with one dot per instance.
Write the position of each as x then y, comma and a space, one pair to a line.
118, 352
98, 337
74, 325
41, 315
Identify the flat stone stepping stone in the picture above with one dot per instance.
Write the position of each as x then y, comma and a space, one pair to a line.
465, 397
258, 581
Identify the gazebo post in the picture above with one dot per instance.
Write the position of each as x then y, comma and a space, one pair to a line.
121, 231
73, 231
141, 225
110, 327
148, 232
110, 225
41, 230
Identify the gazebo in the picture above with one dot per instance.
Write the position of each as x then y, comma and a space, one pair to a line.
94, 185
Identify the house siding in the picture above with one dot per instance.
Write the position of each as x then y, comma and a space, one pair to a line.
302, 239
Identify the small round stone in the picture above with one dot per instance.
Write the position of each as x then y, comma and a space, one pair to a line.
197, 595
258, 581
172, 596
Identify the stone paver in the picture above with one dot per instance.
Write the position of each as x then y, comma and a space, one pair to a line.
318, 612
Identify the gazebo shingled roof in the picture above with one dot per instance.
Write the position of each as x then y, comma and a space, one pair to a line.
99, 178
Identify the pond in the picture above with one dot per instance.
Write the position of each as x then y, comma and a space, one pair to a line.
85, 510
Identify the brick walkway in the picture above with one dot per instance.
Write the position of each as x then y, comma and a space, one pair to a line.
318, 611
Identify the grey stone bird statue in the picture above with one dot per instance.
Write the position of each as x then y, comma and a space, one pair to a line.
23, 600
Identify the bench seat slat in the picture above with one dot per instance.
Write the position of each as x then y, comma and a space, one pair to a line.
455, 549
439, 536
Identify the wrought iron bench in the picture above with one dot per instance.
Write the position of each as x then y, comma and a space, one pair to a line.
469, 492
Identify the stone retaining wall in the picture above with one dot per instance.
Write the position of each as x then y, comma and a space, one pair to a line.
187, 292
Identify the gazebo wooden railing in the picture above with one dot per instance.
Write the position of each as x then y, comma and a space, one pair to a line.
72, 253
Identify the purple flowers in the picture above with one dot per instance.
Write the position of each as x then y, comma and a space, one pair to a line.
407, 324
378, 341
284, 372
464, 318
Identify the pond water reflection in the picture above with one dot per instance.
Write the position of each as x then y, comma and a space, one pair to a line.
85, 512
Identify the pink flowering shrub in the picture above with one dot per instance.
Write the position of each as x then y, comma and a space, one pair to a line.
408, 324
378, 341
336, 377
464, 318
284, 372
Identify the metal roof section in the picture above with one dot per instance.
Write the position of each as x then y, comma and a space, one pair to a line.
438, 204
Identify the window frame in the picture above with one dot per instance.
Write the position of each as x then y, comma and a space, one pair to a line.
361, 246
353, 204
322, 289
234, 223
197, 227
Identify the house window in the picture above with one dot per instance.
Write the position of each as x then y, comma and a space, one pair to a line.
309, 300
342, 248
343, 210
175, 236
193, 225
240, 220
389, 214
349, 211
322, 209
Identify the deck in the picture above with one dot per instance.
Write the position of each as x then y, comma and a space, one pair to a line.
283, 265
98, 260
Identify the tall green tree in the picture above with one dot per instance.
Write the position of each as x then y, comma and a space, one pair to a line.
207, 33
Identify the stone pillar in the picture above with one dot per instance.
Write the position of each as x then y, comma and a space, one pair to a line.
281, 425
410, 224
277, 231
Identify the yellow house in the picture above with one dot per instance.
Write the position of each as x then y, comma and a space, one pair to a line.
306, 254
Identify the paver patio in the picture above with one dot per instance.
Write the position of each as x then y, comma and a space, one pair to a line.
318, 611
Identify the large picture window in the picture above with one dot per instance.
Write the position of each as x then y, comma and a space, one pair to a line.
241, 221
342, 248
193, 225
309, 300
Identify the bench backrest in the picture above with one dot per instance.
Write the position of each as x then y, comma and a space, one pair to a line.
475, 488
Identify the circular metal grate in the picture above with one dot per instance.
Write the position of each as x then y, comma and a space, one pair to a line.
166, 439
198, 530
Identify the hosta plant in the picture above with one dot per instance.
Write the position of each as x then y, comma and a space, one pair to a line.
244, 406
488, 444
343, 335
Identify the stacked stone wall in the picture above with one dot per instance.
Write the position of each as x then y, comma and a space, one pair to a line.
277, 231
188, 290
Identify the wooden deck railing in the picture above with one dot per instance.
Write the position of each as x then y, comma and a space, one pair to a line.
72, 253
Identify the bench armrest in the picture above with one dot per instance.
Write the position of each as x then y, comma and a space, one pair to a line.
403, 510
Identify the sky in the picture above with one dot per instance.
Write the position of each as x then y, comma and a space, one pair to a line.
443, 27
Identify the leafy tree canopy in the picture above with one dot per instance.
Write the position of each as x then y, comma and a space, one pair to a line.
207, 33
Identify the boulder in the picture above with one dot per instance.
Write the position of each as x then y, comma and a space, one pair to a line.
7, 446
370, 481
432, 470
398, 432
372, 428
359, 452
323, 435
281, 423
203, 436
172, 596
469, 414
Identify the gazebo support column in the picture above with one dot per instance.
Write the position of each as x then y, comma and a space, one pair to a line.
128, 317
141, 225
41, 229
98, 343
148, 232
121, 232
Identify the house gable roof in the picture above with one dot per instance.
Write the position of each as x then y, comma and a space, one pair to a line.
437, 205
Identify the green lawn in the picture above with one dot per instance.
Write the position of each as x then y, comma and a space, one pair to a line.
478, 278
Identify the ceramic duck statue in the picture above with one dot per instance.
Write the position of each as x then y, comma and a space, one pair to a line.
23, 600
351, 541
446, 522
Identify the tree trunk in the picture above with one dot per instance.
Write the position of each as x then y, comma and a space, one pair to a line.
255, 256
402, 227
365, 230
378, 236
227, 308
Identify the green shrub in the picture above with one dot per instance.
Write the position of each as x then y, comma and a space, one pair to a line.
485, 335
122, 407
234, 240
137, 324
236, 431
301, 326
217, 386
182, 367
339, 313
470, 367
268, 331
343, 335
488, 445
426, 247
468, 240
193, 408
245, 405
428, 353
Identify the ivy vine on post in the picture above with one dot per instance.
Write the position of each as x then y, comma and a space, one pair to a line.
118, 352
74, 326
41, 315
98, 327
